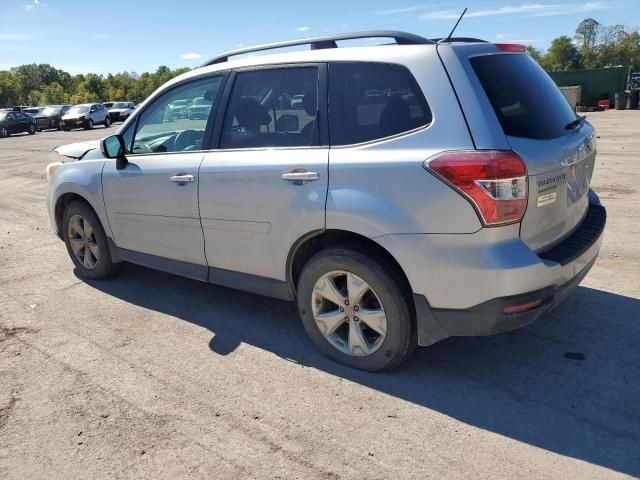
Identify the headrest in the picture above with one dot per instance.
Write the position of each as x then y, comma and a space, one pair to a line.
251, 114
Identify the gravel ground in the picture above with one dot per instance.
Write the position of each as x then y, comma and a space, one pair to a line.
155, 376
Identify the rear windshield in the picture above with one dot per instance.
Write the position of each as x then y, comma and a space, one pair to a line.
527, 102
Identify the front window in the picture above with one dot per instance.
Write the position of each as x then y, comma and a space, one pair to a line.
168, 125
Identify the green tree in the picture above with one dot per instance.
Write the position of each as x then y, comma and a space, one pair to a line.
535, 53
9, 89
562, 55
53, 94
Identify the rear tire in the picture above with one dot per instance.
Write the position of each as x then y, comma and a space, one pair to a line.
107, 122
32, 129
387, 342
87, 243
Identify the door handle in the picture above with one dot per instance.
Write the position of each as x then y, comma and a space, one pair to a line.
300, 178
182, 178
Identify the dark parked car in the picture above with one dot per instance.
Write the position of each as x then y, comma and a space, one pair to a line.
16, 122
120, 111
51, 116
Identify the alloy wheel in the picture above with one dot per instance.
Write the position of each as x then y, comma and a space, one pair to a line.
4, 132
83, 242
349, 313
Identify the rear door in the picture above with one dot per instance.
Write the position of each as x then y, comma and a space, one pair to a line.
266, 184
13, 124
517, 106
23, 121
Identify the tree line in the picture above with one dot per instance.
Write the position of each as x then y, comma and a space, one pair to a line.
593, 46
42, 84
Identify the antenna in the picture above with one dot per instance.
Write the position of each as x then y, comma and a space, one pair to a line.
454, 28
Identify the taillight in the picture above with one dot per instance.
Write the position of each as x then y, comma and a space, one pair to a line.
511, 47
495, 181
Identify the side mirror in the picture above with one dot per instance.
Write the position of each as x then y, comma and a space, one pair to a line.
113, 147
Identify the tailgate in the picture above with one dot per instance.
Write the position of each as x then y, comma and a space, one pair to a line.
560, 173
532, 117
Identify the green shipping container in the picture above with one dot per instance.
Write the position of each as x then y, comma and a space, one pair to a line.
597, 83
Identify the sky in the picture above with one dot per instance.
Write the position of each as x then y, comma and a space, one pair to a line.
105, 36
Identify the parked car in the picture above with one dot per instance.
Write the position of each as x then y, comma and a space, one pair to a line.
297, 102
51, 117
20, 108
178, 108
389, 229
199, 109
86, 116
16, 122
119, 111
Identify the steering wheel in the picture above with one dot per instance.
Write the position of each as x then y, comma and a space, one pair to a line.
186, 139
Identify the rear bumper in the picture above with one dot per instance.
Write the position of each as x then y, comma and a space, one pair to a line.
469, 281
489, 318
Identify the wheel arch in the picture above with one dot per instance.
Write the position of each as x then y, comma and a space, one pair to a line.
61, 204
313, 242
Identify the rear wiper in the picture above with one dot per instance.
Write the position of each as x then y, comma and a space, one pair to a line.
577, 123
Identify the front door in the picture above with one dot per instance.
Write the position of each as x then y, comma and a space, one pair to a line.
152, 203
266, 185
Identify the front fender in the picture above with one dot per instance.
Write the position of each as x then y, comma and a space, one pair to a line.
83, 178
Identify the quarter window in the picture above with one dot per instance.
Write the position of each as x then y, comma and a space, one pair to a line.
176, 121
369, 101
272, 108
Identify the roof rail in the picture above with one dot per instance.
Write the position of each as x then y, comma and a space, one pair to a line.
459, 39
318, 43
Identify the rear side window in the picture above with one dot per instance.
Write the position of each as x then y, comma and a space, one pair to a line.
527, 102
272, 108
369, 101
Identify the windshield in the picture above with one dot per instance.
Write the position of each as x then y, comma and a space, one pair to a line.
120, 105
51, 111
78, 109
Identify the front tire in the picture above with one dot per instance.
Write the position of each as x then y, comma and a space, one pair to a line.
356, 309
87, 243
4, 133
89, 125
107, 122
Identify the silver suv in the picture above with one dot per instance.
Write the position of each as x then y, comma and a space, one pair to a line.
85, 115
421, 190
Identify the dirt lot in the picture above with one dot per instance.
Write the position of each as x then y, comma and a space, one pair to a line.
155, 376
